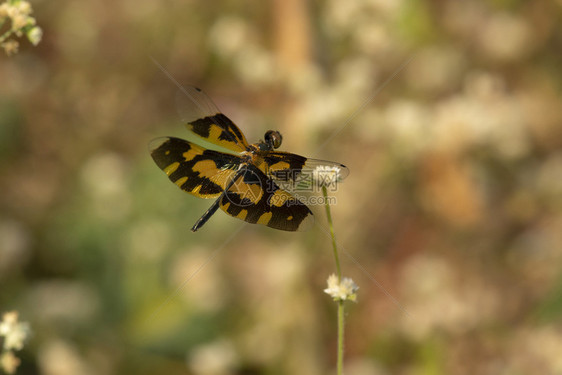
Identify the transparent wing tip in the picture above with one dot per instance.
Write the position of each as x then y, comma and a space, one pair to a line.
156, 143
306, 224
343, 172
192, 103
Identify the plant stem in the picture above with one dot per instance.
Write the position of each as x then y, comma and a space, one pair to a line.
340, 337
5, 36
334, 245
338, 269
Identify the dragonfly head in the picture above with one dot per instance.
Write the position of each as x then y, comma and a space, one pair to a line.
273, 139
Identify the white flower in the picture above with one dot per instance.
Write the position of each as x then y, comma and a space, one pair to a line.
327, 176
213, 358
342, 290
10, 47
11, 10
24, 7
229, 35
19, 21
34, 35
4, 10
9, 362
14, 332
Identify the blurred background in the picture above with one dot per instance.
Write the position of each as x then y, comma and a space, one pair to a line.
453, 204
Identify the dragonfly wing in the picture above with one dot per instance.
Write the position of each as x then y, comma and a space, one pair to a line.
200, 172
299, 171
255, 198
203, 118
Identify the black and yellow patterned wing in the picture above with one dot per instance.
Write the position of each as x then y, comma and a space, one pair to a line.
203, 118
200, 172
255, 198
298, 170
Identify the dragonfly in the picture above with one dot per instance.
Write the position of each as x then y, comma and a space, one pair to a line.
249, 181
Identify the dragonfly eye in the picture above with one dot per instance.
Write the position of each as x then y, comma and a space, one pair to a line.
273, 138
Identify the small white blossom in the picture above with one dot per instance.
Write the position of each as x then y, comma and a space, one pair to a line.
11, 10
18, 12
19, 21
9, 362
346, 290
24, 7
327, 176
14, 332
10, 47
34, 35
4, 10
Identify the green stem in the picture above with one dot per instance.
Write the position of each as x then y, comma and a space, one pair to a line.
5, 36
334, 245
340, 337
340, 303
